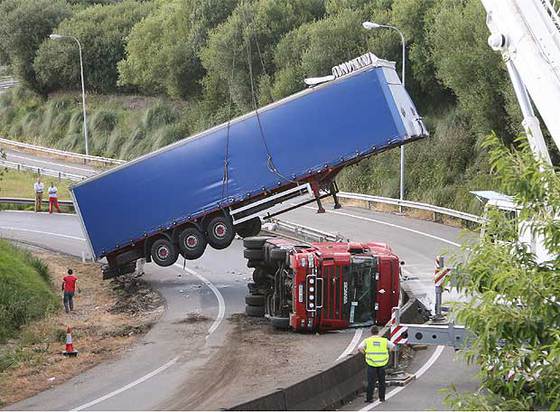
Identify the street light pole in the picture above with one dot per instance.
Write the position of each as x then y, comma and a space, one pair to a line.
55, 36
369, 26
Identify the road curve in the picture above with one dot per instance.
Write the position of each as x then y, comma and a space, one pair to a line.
416, 242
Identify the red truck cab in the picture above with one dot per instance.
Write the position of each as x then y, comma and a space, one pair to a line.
324, 286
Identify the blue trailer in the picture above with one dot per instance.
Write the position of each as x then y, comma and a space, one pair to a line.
205, 188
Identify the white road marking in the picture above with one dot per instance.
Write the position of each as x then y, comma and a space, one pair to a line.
352, 345
32, 159
217, 293
127, 387
17, 229
418, 374
367, 219
40, 213
212, 329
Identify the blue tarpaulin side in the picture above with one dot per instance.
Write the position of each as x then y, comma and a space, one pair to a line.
354, 115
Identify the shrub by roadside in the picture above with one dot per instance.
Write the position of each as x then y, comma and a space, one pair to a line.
25, 290
108, 318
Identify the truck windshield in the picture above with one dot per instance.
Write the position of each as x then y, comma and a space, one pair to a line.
362, 287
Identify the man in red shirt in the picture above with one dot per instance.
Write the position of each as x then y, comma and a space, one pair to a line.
69, 288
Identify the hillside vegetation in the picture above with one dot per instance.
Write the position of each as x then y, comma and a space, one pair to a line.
158, 71
25, 290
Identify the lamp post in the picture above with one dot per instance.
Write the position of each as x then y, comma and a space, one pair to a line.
368, 25
55, 36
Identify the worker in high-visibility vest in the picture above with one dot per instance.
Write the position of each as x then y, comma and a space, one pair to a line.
376, 350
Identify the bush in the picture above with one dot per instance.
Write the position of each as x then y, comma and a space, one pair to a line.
24, 25
102, 30
25, 290
162, 51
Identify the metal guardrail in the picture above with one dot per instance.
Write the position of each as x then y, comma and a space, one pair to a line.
413, 205
42, 171
305, 232
105, 160
31, 202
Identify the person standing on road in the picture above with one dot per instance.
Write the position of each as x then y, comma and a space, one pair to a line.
376, 350
69, 288
38, 187
53, 198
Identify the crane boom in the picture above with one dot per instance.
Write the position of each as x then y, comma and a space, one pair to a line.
527, 33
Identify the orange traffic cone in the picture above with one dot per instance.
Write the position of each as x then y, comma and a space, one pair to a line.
70, 351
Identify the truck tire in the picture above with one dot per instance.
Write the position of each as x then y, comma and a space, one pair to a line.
192, 243
249, 228
280, 323
254, 300
255, 242
253, 254
252, 288
259, 276
254, 311
164, 252
220, 232
278, 255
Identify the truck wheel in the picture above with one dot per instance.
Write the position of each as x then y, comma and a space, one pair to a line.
255, 242
192, 243
254, 300
164, 253
278, 255
259, 276
254, 311
249, 228
220, 232
253, 254
255, 263
252, 288
280, 323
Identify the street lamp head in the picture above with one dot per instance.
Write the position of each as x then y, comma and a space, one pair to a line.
55, 36
368, 25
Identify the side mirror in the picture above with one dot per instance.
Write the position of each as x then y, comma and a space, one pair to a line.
402, 263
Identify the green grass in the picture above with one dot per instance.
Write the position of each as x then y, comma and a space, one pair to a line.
119, 126
26, 293
20, 184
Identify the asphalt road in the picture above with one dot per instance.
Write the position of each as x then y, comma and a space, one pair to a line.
173, 350
416, 242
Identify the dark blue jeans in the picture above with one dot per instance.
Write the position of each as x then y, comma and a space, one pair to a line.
373, 375
68, 301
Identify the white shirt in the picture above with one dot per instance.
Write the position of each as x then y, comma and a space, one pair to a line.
362, 345
53, 192
39, 187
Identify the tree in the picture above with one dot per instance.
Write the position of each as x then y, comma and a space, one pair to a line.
457, 39
244, 44
24, 25
162, 51
514, 310
101, 29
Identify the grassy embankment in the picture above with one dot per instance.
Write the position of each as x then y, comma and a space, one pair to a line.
20, 184
26, 292
107, 319
440, 170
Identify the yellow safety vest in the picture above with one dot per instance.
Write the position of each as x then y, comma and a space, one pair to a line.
377, 352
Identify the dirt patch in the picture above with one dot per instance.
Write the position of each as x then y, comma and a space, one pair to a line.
194, 317
108, 318
254, 360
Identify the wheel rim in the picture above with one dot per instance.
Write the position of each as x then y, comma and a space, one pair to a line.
220, 230
163, 252
191, 242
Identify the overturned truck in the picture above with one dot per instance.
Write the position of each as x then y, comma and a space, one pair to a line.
321, 286
204, 189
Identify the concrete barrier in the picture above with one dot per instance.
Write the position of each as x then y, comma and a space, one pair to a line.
326, 390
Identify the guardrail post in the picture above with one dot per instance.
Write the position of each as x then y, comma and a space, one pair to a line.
59, 176
437, 308
18, 167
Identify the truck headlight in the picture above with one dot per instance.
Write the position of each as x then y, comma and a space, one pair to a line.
311, 297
